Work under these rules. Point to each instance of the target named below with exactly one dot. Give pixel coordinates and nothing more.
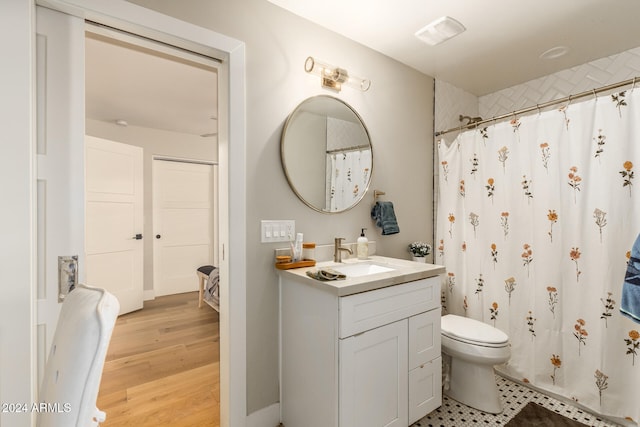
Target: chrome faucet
(337, 249)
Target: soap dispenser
(363, 246)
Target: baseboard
(148, 295)
(265, 417)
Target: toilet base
(474, 385)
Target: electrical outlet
(277, 230)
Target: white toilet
(474, 348)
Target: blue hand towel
(630, 304)
(385, 217)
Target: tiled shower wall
(450, 101)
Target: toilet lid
(472, 331)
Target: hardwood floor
(162, 366)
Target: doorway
(232, 174)
(162, 101)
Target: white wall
(398, 111)
(154, 142)
(16, 209)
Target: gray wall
(398, 111)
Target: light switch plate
(277, 230)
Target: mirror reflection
(326, 154)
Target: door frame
(232, 172)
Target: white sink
(362, 269)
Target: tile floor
(514, 398)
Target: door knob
(138, 236)
(158, 236)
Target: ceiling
(149, 85)
(503, 41)
(153, 86)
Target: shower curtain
(347, 177)
(536, 218)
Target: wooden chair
(203, 275)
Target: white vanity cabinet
(363, 360)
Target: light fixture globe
(332, 77)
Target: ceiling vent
(440, 30)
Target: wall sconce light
(332, 77)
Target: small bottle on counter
(362, 248)
(309, 251)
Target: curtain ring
(595, 95)
(538, 107)
(633, 84)
(568, 103)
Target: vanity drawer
(368, 310)
(424, 338)
(425, 389)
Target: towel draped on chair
(212, 288)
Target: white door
(374, 388)
(60, 175)
(114, 220)
(183, 195)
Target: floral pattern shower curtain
(347, 177)
(536, 218)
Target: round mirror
(326, 154)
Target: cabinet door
(425, 389)
(373, 377)
(424, 338)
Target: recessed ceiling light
(440, 30)
(554, 52)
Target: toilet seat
(472, 331)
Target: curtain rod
(538, 107)
(345, 149)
